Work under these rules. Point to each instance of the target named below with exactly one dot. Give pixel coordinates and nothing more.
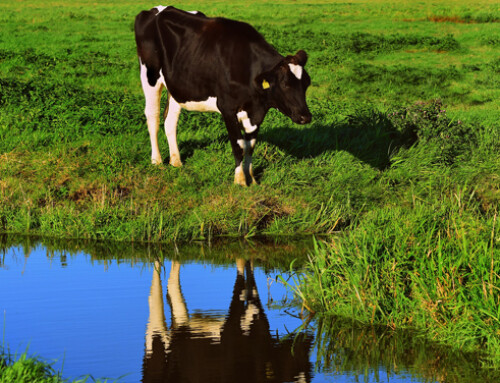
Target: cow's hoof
(175, 162)
(239, 177)
(156, 161)
(240, 182)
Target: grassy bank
(441, 277)
(402, 156)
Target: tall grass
(31, 369)
(428, 273)
(26, 369)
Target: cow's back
(208, 56)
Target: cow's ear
(300, 58)
(264, 81)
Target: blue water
(91, 317)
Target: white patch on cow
(245, 121)
(160, 8)
(209, 105)
(252, 143)
(296, 70)
(162, 79)
(241, 115)
(241, 143)
(247, 125)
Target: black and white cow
(216, 65)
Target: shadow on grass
(368, 135)
(188, 147)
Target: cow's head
(285, 87)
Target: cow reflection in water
(237, 348)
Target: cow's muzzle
(303, 118)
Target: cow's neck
(256, 108)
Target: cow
(215, 65)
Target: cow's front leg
(251, 131)
(237, 145)
(249, 145)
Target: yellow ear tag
(265, 84)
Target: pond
(203, 312)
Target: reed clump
(433, 273)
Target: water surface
(194, 313)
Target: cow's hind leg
(152, 93)
(172, 116)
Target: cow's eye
(287, 84)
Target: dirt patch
(98, 193)
(457, 19)
(451, 19)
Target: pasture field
(399, 172)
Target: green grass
(429, 273)
(26, 369)
(74, 148)
(402, 157)
(31, 369)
